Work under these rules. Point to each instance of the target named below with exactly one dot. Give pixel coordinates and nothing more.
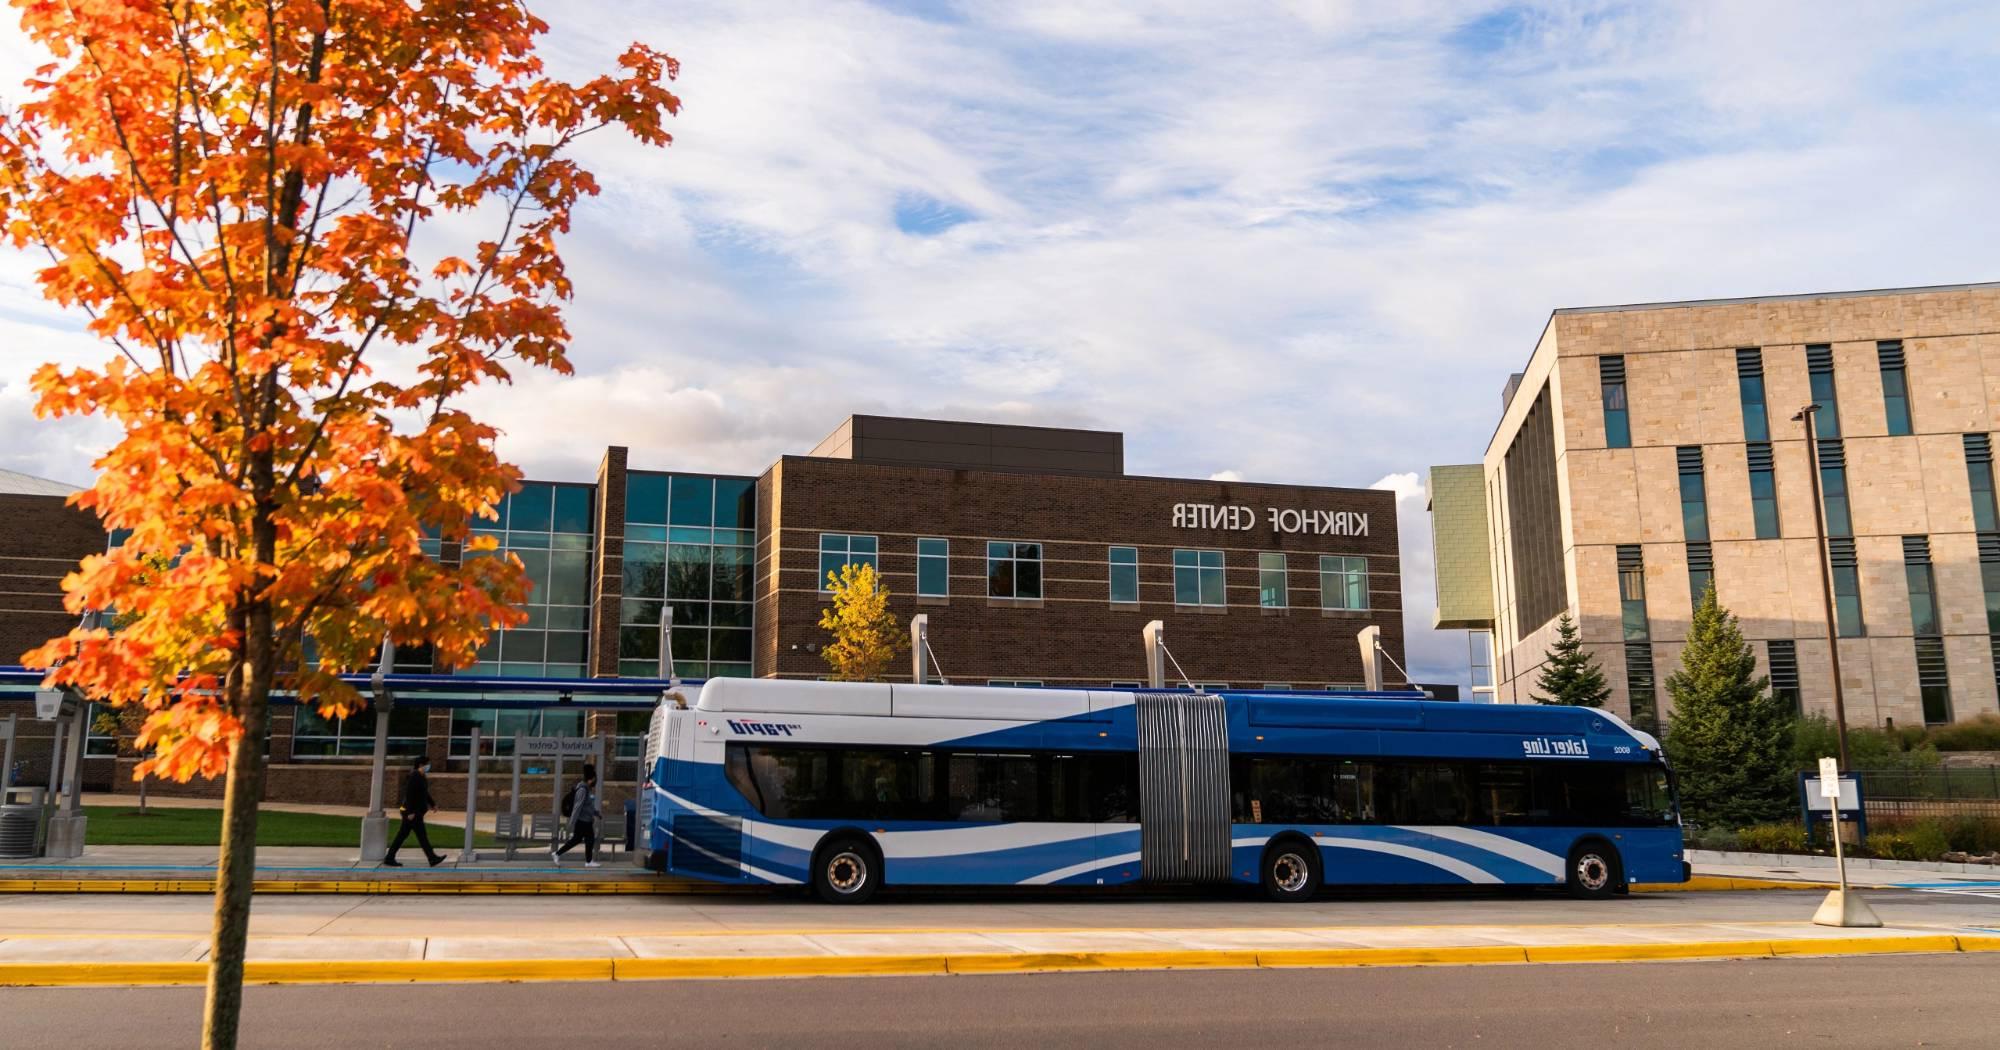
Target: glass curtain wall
(548, 527)
(690, 542)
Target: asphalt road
(1934, 1001)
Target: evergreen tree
(1570, 676)
(1728, 738)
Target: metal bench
(507, 830)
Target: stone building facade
(1645, 451)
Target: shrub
(1977, 734)
(1773, 838)
(1715, 839)
(1921, 840)
(1970, 834)
(1869, 750)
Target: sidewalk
(338, 869)
(174, 959)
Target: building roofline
(1566, 311)
(1792, 297)
(1087, 477)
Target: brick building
(1036, 558)
(41, 540)
(1646, 451)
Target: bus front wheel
(1595, 872)
(846, 870)
(1291, 870)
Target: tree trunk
(236, 869)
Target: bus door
(1183, 787)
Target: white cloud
(1296, 242)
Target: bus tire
(1595, 871)
(847, 869)
(1290, 870)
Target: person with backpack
(582, 808)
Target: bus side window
(736, 765)
(1111, 787)
(793, 782)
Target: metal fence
(1931, 785)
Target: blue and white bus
(851, 786)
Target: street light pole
(1805, 415)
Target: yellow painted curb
(1719, 883)
(1571, 953)
(1469, 953)
(61, 974)
(778, 966)
(1864, 945)
(625, 969)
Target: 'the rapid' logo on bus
(762, 728)
(1555, 747)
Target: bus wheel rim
(1289, 872)
(1592, 872)
(846, 871)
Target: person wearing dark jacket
(417, 802)
(584, 811)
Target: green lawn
(126, 826)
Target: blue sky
(1298, 241)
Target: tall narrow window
(1989, 575)
(1819, 372)
(1979, 474)
(1273, 587)
(1763, 490)
(1013, 570)
(835, 550)
(1125, 575)
(1639, 686)
(1846, 588)
(1750, 387)
(1923, 591)
(1933, 679)
(1694, 495)
(1617, 420)
(1895, 385)
(933, 568)
(1343, 583)
(1701, 570)
(1198, 578)
(1632, 591)
(1785, 673)
(1833, 488)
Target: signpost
(1840, 907)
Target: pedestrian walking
(417, 802)
(583, 810)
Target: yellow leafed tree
(866, 636)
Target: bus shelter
(58, 802)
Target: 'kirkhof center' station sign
(1242, 517)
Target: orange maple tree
(242, 197)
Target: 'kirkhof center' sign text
(1281, 519)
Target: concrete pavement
(135, 940)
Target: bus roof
(1274, 709)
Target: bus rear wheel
(1595, 871)
(1291, 870)
(846, 870)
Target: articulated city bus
(849, 787)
